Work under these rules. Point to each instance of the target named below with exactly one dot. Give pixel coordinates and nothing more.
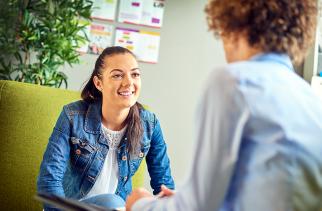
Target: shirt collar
(283, 59)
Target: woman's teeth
(125, 93)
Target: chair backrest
(28, 113)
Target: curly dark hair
(281, 26)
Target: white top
(108, 178)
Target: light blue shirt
(259, 142)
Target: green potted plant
(38, 36)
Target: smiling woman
(99, 142)
(116, 80)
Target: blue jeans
(110, 201)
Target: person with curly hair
(259, 127)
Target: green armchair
(28, 113)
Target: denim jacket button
(125, 178)
(78, 152)
(141, 154)
(124, 158)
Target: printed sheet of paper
(148, 46)
(104, 9)
(152, 13)
(130, 11)
(145, 45)
(85, 33)
(100, 37)
(142, 12)
(127, 38)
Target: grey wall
(171, 88)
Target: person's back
(259, 126)
(281, 145)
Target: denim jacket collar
(93, 118)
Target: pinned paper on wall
(100, 37)
(104, 9)
(145, 45)
(148, 46)
(130, 11)
(127, 38)
(152, 14)
(143, 12)
(84, 33)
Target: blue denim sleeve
(158, 161)
(55, 159)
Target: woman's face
(120, 82)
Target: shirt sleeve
(158, 161)
(221, 116)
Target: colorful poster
(152, 13)
(145, 45)
(100, 37)
(84, 33)
(130, 11)
(148, 46)
(127, 38)
(142, 12)
(104, 9)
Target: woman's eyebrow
(119, 70)
(136, 68)
(116, 70)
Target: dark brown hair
(280, 26)
(90, 94)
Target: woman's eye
(118, 76)
(136, 75)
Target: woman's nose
(127, 80)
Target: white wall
(172, 87)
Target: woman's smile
(126, 93)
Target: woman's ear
(97, 82)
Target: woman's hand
(136, 195)
(143, 193)
(165, 191)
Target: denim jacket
(77, 149)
